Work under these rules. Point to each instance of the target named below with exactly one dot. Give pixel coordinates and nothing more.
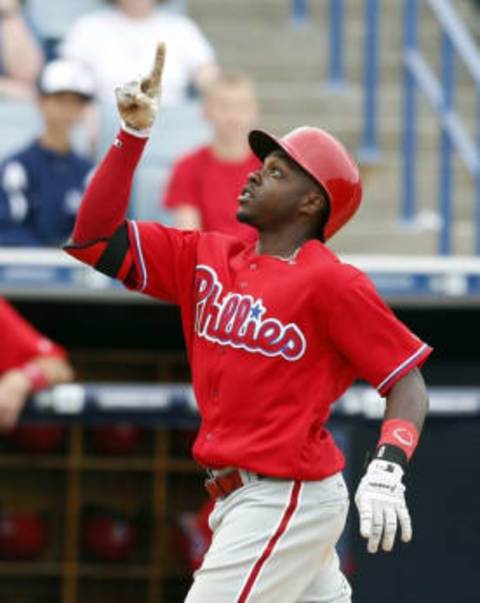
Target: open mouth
(246, 195)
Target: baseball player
(29, 362)
(275, 333)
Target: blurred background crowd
(58, 81)
(60, 63)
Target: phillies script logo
(237, 320)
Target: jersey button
(209, 436)
(253, 266)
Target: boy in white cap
(42, 184)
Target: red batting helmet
(23, 535)
(110, 538)
(121, 438)
(326, 160)
(38, 438)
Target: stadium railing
(456, 42)
(50, 274)
(300, 11)
(174, 405)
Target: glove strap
(392, 454)
(134, 132)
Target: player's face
(136, 8)
(63, 110)
(274, 195)
(232, 110)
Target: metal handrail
(369, 151)
(336, 68)
(456, 41)
(300, 11)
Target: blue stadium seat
(52, 18)
(176, 131)
(147, 191)
(19, 123)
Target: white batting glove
(137, 101)
(380, 500)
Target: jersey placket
(223, 354)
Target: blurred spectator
(205, 184)
(29, 362)
(20, 56)
(41, 186)
(118, 42)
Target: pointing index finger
(155, 77)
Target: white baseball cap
(62, 75)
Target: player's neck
(281, 246)
(137, 11)
(230, 150)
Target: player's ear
(312, 203)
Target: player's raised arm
(137, 101)
(100, 236)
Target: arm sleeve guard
(100, 236)
(111, 256)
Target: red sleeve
(164, 260)
(105, 202)
(182, 187)
(20, 341)
(366, 331)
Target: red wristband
(37, 378)
(400, 433)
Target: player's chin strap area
(111, 256)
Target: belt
(222, 483)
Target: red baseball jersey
(212, 186)
(20, 341)
(272, 344)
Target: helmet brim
(262, 144)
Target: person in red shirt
(222, 166)
(29, 362)
(276, 331)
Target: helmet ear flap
(323, 221)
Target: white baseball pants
(274, 542)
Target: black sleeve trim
(117, 247)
